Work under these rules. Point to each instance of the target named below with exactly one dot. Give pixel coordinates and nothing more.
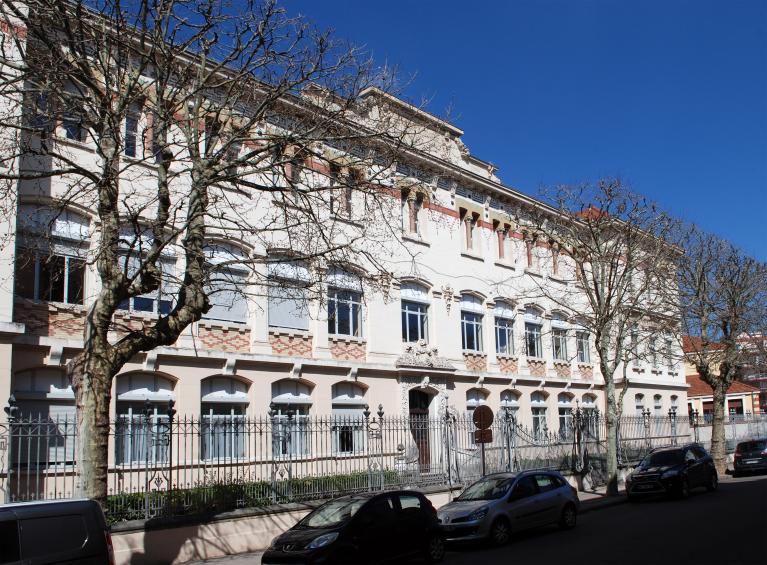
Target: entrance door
(419, 426)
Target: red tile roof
(700, 388)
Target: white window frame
(559, 343)
(583, 346)
(533, 331)
(344, 298)
(471, 329)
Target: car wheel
(713, 482)
(569, 517)
(435, 549)
(500, 532)
(684, 488)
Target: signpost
(483, 419)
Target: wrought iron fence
(161, 464)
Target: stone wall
(290, 344)
(347, 349)
(224, 337)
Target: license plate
(643, 487)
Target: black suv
(672, 471)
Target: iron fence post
(672, 419)
(12, 414)
(366, 414)
(646, 422)
(695, 425)
(275, 439)
(171, 413)
(148, 437)
(381, 446)
(446, 438)
(577, 439)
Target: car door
(549, 497)
(695, 469)
(375, 530)
(10, 547)
(524, 508)
(412, 523)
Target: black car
(363, 528)
(750, 456)
(672, 471)
(40, 533)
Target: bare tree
(723, 300)
(204, 127)
(601, 256)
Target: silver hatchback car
(502, 503)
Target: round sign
(483, 417)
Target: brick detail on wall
(475, 361)
(348, 349)
(586, 371)
(537, 367)
(562, 369)
(508, 365)
(224, 337)
(291, 344)
(64, 321)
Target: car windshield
(333, 513)
(662, 459)
(752, 446)
(487, 489)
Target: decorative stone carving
(409, 382)
(421, 355)
(447, 294)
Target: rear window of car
(752, 446)
(663, 458)
(407, 501)
(61, 534)
(546, 482)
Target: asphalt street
(725, 527)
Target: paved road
(725, 527)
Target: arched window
(504, 328)
(510, 400)
(291, 400)
(50, 258)
(344, 303)
(639, 404)
(475, 397)
(589, 405)
(559, 337)
(565, 408)
(533, 327)
(142, 406)
(471, 322)
(224, 403)
(227, 283)
(348, 418)
(288, 303)
(415, 312)
(46, 404)
(538, 402)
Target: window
(227, 283)
(348, 426)
(588, 402)
(583, 347)
(538, 401)
(546, 483)
(222, 429)
(141, 429)
(39, 112)
(415, 306)
(344, 304)
(635, 346)
(533, 345)
(288, 305)
(131, 132)
(474, 397)
(510, 401)
(504, 329)
(50, 263)
(639, 404)
(652, 349)
(471, 323)
(409, 501)
(559, 339)
(565, 407)
(72, 122)
(525, 487)
(291, 436)
(669, 354)
(342, 190)
(159, 301)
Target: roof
(699, 388)
(692, 344)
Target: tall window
(504, 329)
(131, 132)
(227, 283)
(639, 404)
(670, 364)
(474, 397)
(342, 190)
(344, 304)
(471, 323)
(141, 430)
(158, 301)
(540, 428)
(348, 426)
(291, 435)
(415, 309)
(652, 349)
(635, 346)
(583, 347)
(533, 344)
(222, 429)
(588, 402)
(559, 339)
(565, 407)
(288, 304)
(50, 263)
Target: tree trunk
(93, 394)
(718, 441)
(612, 439)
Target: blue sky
(670, 95)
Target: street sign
(483, 417)
(483, 436)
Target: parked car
(499, 504)
(38, 533)
(672, 471)
(363, 528)
(750, 456)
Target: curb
(600, 503)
